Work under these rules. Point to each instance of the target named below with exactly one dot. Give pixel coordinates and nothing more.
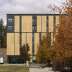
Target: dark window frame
(10, 24)
(34, 23)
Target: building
(29, 29)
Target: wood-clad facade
(26, 29)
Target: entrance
(15, 60)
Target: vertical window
(33, 44)
(52, 39)
(49, 39)
(47, 26)
(34, 23)
(34, 28)
(34, 18)
(10, 23)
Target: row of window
(10, 24)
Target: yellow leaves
(42, 53)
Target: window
(10, 29)
(10, 23)
(49, 39)
(33, 44)
(47, 26)
(34, 28)
(10, 19)
(34, 23)
(34, 20)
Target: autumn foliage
(62, 48)
(63, 40)
(42, 53)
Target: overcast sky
(28, 6)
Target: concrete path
(41, 69)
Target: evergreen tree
(24, 53)
(1, 33)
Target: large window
(10, 23)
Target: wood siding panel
(51, 23)
(36, 42)
(38, 23)
(29, 41)
(43, 23)
(26, 23)
(24, 39)
(57, 23)
(16, 24)
(10, 43)
(17, 44)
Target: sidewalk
(41, 69)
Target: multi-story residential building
(29, 29)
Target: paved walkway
(41, 69)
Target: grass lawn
(13, 68)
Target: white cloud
(27, 6)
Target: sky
(28, 6)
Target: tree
(24, 53)
(63, 40)
(27, 52)
(42, 53)
(4, 37)
(68, 7)
(1, 33)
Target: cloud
(27, 6)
